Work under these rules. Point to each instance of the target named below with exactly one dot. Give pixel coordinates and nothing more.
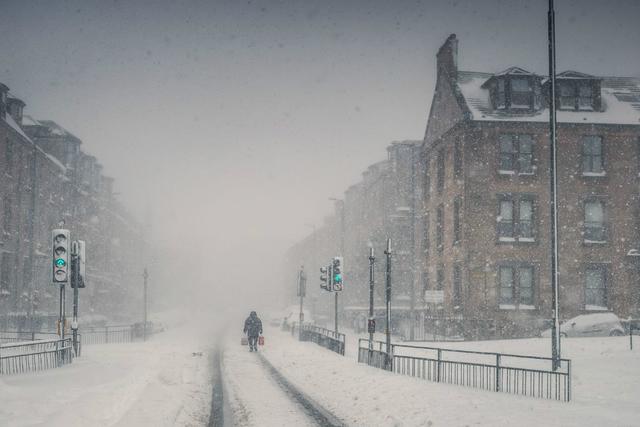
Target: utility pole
(145, 275)
(371, 324)
(387, 252)
(553, 165)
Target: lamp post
(555, 327)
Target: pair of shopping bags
(245, 340)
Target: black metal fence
(110, 334)
(509, 373)
(323, 337)
(32, 356)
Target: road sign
(434, 297)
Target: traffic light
(60, 240)
(78, 263)
(337, 274)
(324, 278)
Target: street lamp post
(555, 327)
(387, 252)
(371, 323)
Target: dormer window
(578, 91)
(520, 93)
(514, 89)
(501, 96)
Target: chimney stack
(4, 90)
(15, 107)
(447, 58)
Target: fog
(228, 125)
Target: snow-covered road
(259, 396)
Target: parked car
(590, 325)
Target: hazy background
(228, 125)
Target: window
(5, 271)
(456, 220)
(576, 95)
(6, 223)
(505, 220)
(427, 241)
(516, 286)
(520, 93)
(507, 292)
(457, 159)
(592, 163)
(440, 228)
(516, 154)
(594, 223)
(8, 153)
(567, 96)
(525, 219)
(440, 277)
(516, 218)
(585, 97)
(457, 286)
(440, 171)
(595, 287)
(501, 101)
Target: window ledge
(594, 174)
(506, 239)
(595, 242)
(524, 307)
(506, 172)
(527, 239)
(589, 307)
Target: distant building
(47, 179)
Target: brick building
(47, 179)
(487, 211)
(468, 207)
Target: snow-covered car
(275, 319)
(590, 325)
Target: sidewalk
(606, 386)
(158, 383)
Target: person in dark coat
(253, 329)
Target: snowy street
(160, 383)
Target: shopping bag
(260, 340)
(244, 341)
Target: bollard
(497, 372)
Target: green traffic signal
(60, 262)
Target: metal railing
(326, 338)
(33, 356)
(508, 373)
(109, 334)
(102, 335)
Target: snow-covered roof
(56, 129)
(620, 103)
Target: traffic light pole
(388, 313)
(75, 277)
(61, 317)
(301, 293)
(145, 275)
(372, 262)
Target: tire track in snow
(314, 410)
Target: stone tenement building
(47, 180)
(481, 195)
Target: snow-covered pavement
(157, 383)
(606, 387)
